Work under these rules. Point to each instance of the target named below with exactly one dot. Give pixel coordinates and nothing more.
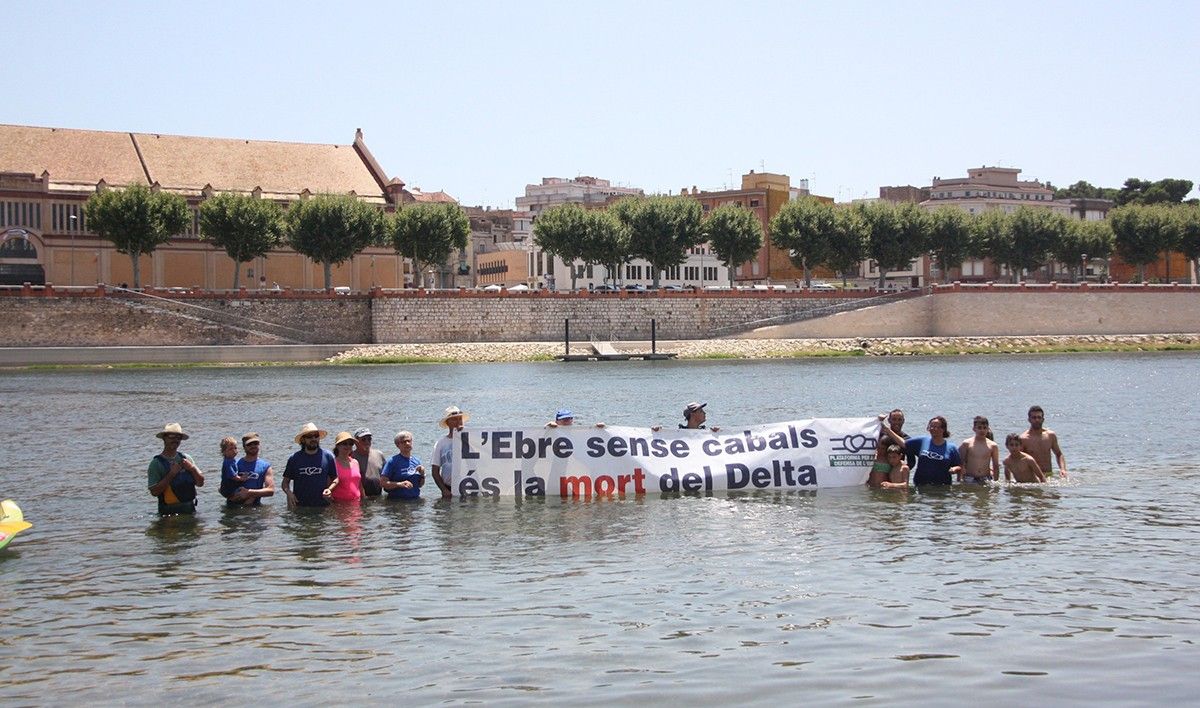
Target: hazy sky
(481, 98)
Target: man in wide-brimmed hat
(310, 469)
(443, 451)
(172, 476)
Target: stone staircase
(813, 313)
(189, 313)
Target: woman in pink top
(349, 486)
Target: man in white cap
(172, 476)
(694, 416)
(443, 451)
(370, 462)
(311, 469)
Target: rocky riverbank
(774, 348)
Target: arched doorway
(19, 262)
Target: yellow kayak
(12, 521)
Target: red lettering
(605, 484)
(639, 478)
(571, 486)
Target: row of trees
(1134, 191)
(329, 229)
(840, 237)
(659, 230)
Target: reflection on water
(994, 592)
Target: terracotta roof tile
(185, 163)
(83, 156)
(241, 165)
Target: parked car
(518, 288)
(672, 288)
(636, 288)
(605, 288)
(817, 285)
(493, 288)
(342, 290)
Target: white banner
(578, 461)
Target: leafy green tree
(895, 234)
(1164, 191)
(804, 228)
(245, 226)
(1188, 235)
(137, 220)
(847, 242)
(1086, 190)
(562, 231)
(735, 235)
(606, 242)
(1033, 235)
(949, 238)
(661, 229)
(331, 228)
(990, 234)
(1141, 233)
(429, 232)
(1092, 239)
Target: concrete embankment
(221, 354)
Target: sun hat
(363, 432)
(692, 408)
(249, 438)
(172, 429)
(343, 437)
(310, 428)
(451, 412)
(564, 413)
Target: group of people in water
(933, 459)
(354, 469)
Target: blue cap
(563, 413)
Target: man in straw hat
(172, 476)
(310, 469)
(443, 451)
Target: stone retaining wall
(111, 321)
(540, 319)
(999, 311)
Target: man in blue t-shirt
(403, 475)
(937, 457)
(310, 469)
(250, 478)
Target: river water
(1080, 591)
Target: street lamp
(1083, 266)
(72, 219)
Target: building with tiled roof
(47, 174)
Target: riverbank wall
(94, 318)
(1012, 310)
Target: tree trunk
(237, 273)
(574, 273)
(1141, 272)
(1195, 269)
(137, 269)
(328, 267)
(807, 272)
(657, 275)
(731, 278)
(882, 277)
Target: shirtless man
(977, 452)
(1020, 466)
(1040, 442)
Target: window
(710, 273)
(972, 268)
(691, 273)
(753, 202)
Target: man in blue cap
(564, 417)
